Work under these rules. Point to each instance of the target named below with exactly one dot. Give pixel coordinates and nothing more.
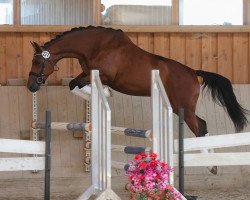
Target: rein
(40, 76)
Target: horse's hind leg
(203, 132)
(199, 127)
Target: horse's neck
(64, 51)
(70, 47)
(62, 55)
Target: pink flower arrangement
(148, 179)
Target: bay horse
(126, 68)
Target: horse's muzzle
(33, 86)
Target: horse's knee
(73, 84)
(78, 81)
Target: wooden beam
(16, 81)
(132, 29)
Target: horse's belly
(135, 89)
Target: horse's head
(42, 66)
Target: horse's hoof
(213, 170)
(86, 89)
(78, 92)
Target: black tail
(222, 93)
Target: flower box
(148, 179)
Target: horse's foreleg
(83, 88)
(83, 78)
(199, 127)
(77, 83)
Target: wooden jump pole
(130, 149)
(132, 132)
(125, 149)
(63, 126)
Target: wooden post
(175, 12)
(97, 9)
(16, 12)
(246, 13)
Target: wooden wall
(226, 53)
(221, 52)
(16, 117)
(127, 111)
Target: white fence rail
(213, 142)
(22, 163)
(32, 163)
(215, 159)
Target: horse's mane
(75, 30)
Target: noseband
(40, 76)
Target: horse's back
(129, 67)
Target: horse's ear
(33, 45)
(36, 47)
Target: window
(211, 12)
(125, 12)
(136, 12)
(6, 11)
(56, 12)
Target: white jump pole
(162, 122)
(101, 143)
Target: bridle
(40, 77)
